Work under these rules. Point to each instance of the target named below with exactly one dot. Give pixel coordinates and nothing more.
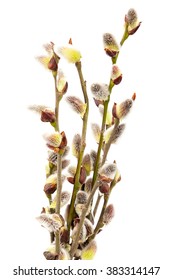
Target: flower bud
(47, 115)
(86, 163)
(134, 96)
(100, 91)
(108, 214)
(64, 235)
(70, 54)
(65, 197)
(77, 105)
(81, 197)
(52, 65)
(64, 255)
(98, 102)
(53, 140)
(88, 185)
(116, 74)
(71, 180)
(89, 251)
(89, 227)
(67, 212)
(63, 143)
(76, 144)
(51, 60)
(51, 183)
(113, 133)
(62, 84)
(48, 62)
(107, 172)
(65, 163)
(104, 187)
(83, 175)
(132, 21)
(96, 131)
(93, 156)
(50, 253)
(52, 222)
(72, 170)
(121, 110)
(83, 233)
(110, 45)
(79, 208)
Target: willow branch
(77, 184)
(96, 168)
(95, 176)
(109, 143)
(59, 167)
(97, 204)
(107, 146)
(82, 218)
(100, 223)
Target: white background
(141, 232)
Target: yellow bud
(72, 55)
(89, 251)
(53, 139)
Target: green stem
(97, 204)
(125, 35)
(95, 174)
(82, 218)
(108, 144)
(100, 220)
(77, 184)
(59, 183)
(57, 243)
(124, 38)
(59, 168)
(57, 101)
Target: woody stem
(77, 184)
(59, 167)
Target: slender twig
(82, 217)
(97, 204)
(96, 168)
(100, 220)
(108, 144)
(125, 35)
(59, 167)
(95, 176)
(82, 148)
(59, 183)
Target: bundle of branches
(94, 177)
